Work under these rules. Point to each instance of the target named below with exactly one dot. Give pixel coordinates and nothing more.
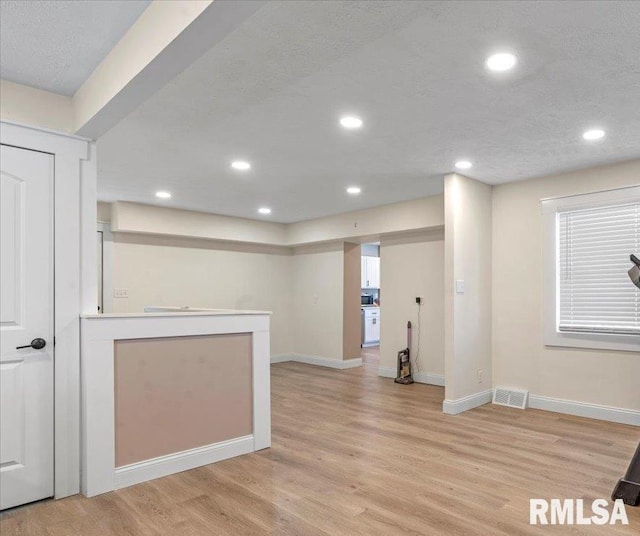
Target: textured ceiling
(56, 44)
(273, 90)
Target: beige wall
(519, 355)
(181, 271)
(166, 256)
(305, 290)
(351, 302)
(418, 214)
(408, 216)
(153, 220)
(317, 319)
(412, 266)
(468, 224)
(35, 107)
(180, 393)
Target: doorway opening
(370, 303)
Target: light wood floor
(370, 355)
(354, 454)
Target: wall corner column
(468, 323)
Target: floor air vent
(514, 398)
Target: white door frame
(107, 266)
(75, 285)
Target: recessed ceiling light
(594, 134)
(264, 210)
(163, 195)
(350, 121)
(240, 165)
(353, 190)
(463, 164)
(501, 62)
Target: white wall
(412, 266)
(181, 271)
(317, 319)
(519, 355)
(468, 223)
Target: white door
(26, 296)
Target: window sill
(593, 341)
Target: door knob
(36, 344)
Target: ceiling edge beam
(163, 42)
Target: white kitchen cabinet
(370, 272)
(373, 271)
(371, 326)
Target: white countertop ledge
(177, 313)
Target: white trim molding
(387, 372)
(99, 333)
(282, 358)
(584, 409)
(418, 377)
(319, 361)
(107, 266)
(75, 280)
(135, 473)
(454, 407)
(428, 378)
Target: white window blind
(595, 293)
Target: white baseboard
(429, 378)
(327, 362)
(283, 358)
(418, 377)
(182, 461)
(453, 407)
(557, 405)
(318, 361)
(387, 372)
(583, 409)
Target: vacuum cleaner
(628, 487)
(404, 375)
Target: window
(595, 294)
(590, 301)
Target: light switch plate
(120, 292)
(459, 286)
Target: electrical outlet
(480, 375)
(418, 300)
(315, 299)
(120, 292)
